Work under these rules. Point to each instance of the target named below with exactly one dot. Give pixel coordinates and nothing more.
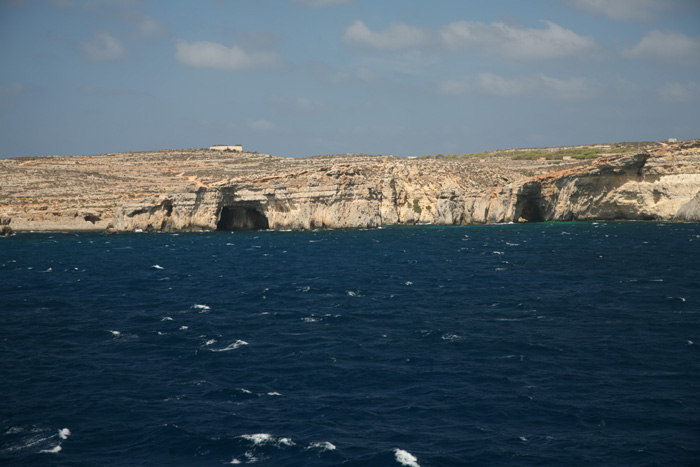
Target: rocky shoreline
(189, 190)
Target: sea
(528, 344)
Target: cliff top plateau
(202, 189)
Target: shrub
(416, 207)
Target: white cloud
(397, 36)
(539, 85)
(12, 90)
(323, 3)
(512, 42)
(104, 48)
(516, 42)
(623, 10)
(204, 54)
(679, 92)
(666, 47)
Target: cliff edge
(209, 190)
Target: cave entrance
(241, 218)
(530, 212)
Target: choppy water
(537, 344)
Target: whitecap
(245, 391)
(232, 346)
(275, 393)
(234, 461)
(53, 450)
(406, 458)
(351, 293)
(689, 342)
(286, 442)
(64, 433)
(408, 283)
(203, 308)
(259, 438)
(309, 319)
(450, 337)
(210, 342)
(184, 328)
(498, 252)
(322, 445)
(166, 318)
(115, 333)
(306, 288)
(157, 266)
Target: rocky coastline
(200, 189)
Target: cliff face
(197, 189)
(664, 185)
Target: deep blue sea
(533, 345)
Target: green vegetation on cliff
(581, 152)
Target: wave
(232, 346)
(406, 458)
(322, 446)
(266, 438)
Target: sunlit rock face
(209, 190)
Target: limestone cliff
(662, 185)
(206, 190)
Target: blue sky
(309, 77)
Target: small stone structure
(221, 147)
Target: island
(209, 189)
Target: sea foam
(53, 450)
(406, 458)
(232, 346)
(322, 445)
(266, 438)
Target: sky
(301, 78)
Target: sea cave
(241, 218)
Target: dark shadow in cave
(241, 218)
(531, 212)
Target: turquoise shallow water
(537, 344)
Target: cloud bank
(512, 42)
(666, 47)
